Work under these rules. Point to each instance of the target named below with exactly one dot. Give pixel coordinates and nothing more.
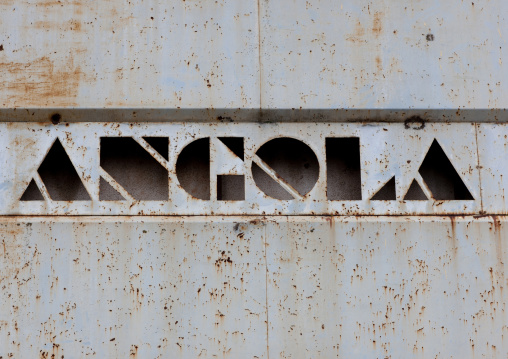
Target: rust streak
(41, 83)
(72, 25)
(358, 34)
(377, 26)
(379, 63)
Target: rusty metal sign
(192, 169)
(253, 179)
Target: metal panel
(254, 54)
(388, 288)
(493, 155)
(285, 286)
(383, 54)
(118, 288)
(386, 151)
(194, 54)
(289, 287)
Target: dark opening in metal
(343, 173)
(129, 164)
(231, 188)
(193, 168)
(292, 161)
(60, 177)
(441, 177)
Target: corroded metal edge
(254, 219)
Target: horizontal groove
(256, 215)
(217, 115)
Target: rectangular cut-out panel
(238, 168)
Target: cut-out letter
(415, 193)
(287, 166)
(387, 192)
(60, 177)
(32, 193)
(343, 175)
(230, 188)
(127, 162)
(193, 168)
(235, 144)
(441, 177)
(108, 193)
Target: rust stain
(379, 63)
(14, 253)
(41, 83)
(453, 228)
(51, 3)
(358, 34)
(499, 247)
(72, 25)
(377, 26)
(48, 5)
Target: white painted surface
(254, 54)
(293, 287)
(386, 150)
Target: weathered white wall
(246, 286)
(252, 287)
(250, 54)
